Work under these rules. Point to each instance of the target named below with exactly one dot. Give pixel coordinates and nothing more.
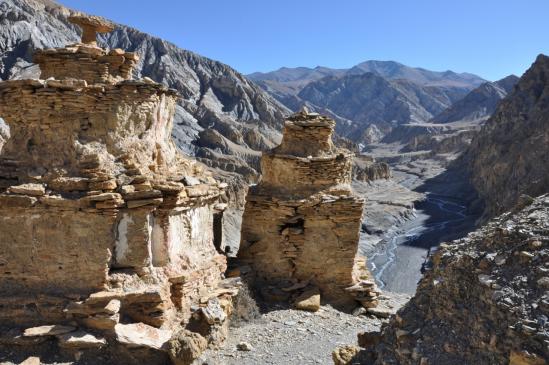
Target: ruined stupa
(301, 223)
(106, 231)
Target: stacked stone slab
(301, 222)
(103, 224)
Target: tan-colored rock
(66, 184)
(141, 203)
(96, 224)
(50, 330)
(309, 300)
(102, 321)
(103, 197)
(525, 358)
(80, 340)
(113, 306)
(301, 222)
(33, 360)
(103, 185)
(141, 335)
(60, 202)
(380, 312)
(345, 355)
(28, 189)
(90, 26)
(185, 347)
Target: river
(397, 261)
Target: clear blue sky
(492, 38)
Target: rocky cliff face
(222, 118)
(510, 155)
(483, 301)
(479, 104)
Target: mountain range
(374, 98)
(382, 94)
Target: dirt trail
(287, 336)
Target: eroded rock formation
(301, 222)
(510, 155)
(484, 300)
(104, 225)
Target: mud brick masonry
(104, 225)
(301, 222)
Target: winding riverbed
(397, 261)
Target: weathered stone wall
(74, 127)
(92, 64)
(49, 251)
(298, 175)
(286, 241)
(103, 224)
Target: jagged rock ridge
(479, 104)
(510, 156)
(452, 130)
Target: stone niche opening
(294, 225)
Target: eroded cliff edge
(484, 301)
(510, 155)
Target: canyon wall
(483, 299)
(510, 155)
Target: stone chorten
(103, 223)
(301, 222)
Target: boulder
(344, 355)
(309, 300)
(244, 346)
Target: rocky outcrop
(510, 155)
(104, 225)
(303, 217)
(213, 95)
(483, 299)
(439, 139)
(366, 168)
(479, 104)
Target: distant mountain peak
(385, 93)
